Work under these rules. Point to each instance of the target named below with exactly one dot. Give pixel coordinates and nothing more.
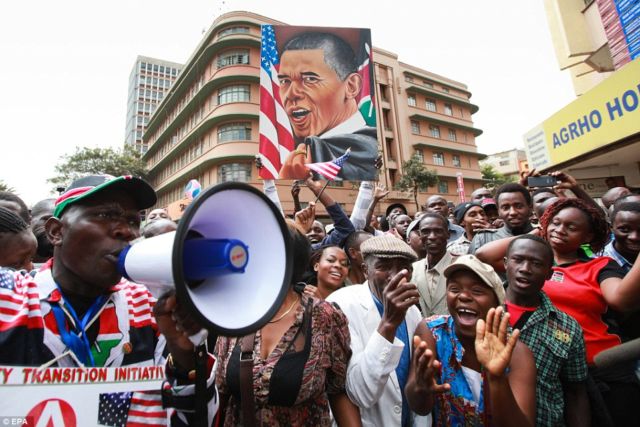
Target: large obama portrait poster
(317, 103)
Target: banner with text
(607, 113)
(72, 396)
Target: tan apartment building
(509, 163)
(206, 127)
(596, 137)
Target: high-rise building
(206, 128)
(149, 81)
(595, 138)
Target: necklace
(286, 312)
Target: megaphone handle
(202, 403)
(199, 337)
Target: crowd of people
(490, 312)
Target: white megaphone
(229, 260)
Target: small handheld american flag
(330, 169)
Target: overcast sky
(66, 64)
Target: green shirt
(557, 344)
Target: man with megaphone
(79, 311)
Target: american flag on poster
(330, 169)
(276, 137)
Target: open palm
(493, 347)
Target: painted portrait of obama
(319, 89)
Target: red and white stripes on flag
(276, 137)
(330, 169)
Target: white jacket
(372, 383)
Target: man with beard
(40, 213)
(319, 85)
(514, 208)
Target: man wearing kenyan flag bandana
(79, 311)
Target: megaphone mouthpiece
(204, 258)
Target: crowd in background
(495, 311)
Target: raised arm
(512, 393)
(567, 182)
(623, 294)
(342, 225)
(379, 193)
(295, 194)
(493, 253)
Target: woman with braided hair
(17, 242)
(585, 288)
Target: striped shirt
(29, 336)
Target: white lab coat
(372, 383)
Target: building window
(438, 159)
(431, 105)
(409, 79)
(415, 127)
(434, 131)
(443, 187)
(411, 100)
(445, 89)
(238, 172)
(233, 30)
(235, 93)
(456, 160)
(504, 162)
(234, 132)
(233, 57)
(427, 83)
(452, 135)
(448, 110)
(420, 155)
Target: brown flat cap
(387, 246)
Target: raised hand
(426, 366)
(380, 192)
(304, 218)
(295, 189)
(493, 345)
(399, 295)
(314, 186)
(524, 176)
(481, 224)
(565, 181)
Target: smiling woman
(468, 372)
(332, 269)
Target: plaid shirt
(460, 246)
(556, 341)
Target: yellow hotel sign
(603, 115)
